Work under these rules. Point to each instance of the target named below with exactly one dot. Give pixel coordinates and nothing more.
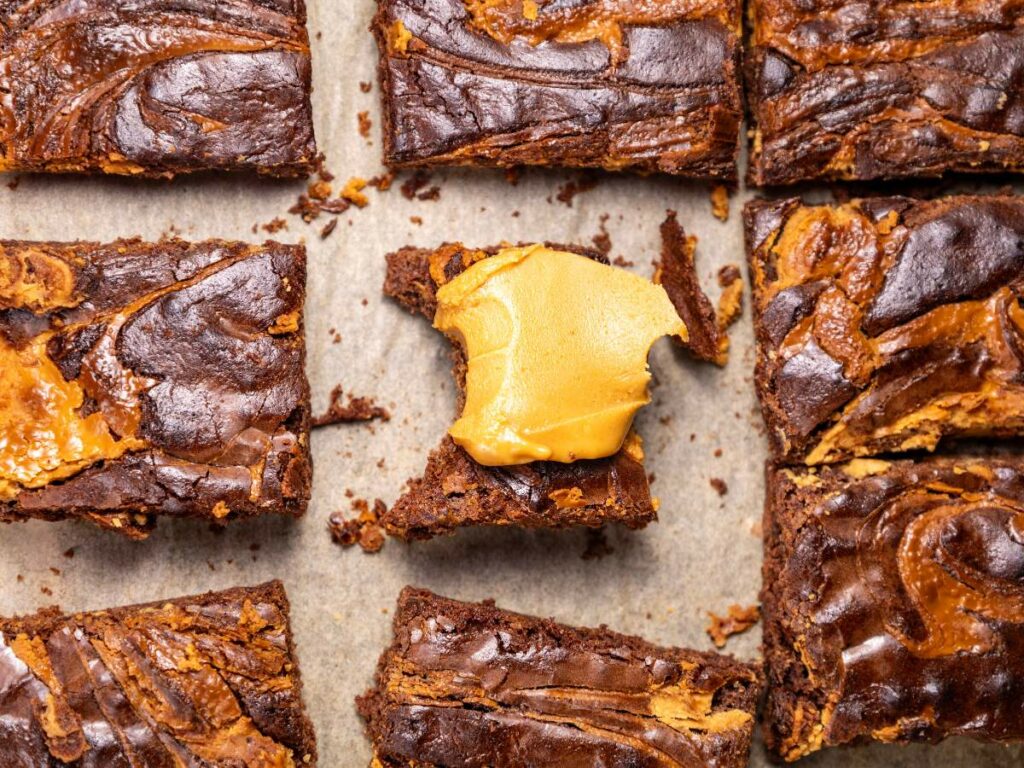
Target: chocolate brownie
(468, 684)
(457, 491)
(887, 324)
(544, 82)
(141, 380)
(894, 602)
(155, 87)
(211, 680)
(871, 90)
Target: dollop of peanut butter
(556, 347)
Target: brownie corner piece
(472, 679)
(483, 85)
(825, 104)
(893, 603)
(455, 491)
(172, 88)
(210, 679)
(886, 324)
(154, 379)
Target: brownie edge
(470, 684)
(211, 679)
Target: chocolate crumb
(583, 182)
(364, 529)
(46, 591)
(365, 86)
(417, 220)
(383, 182)
(20, 579)
(55, 571)
(69, 552)
(737, 621)
(412, 186)
(719, 485)
(621, 261)
(328, 228)
(13, 183)
(512, 175)
(356, 409)
(602, 240)
(274, 226)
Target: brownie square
(643, 86)
(155, 88)
(893, 602)
(887, 324)
(142, 380)
(210, 680)
(470, 684)
(850, 90)
(456, 491)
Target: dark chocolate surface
(154, 380)
(894, 602)
(887, 324)
(467, 684)
(155, 87)
(200, 681)
(456, 491)
(653, 87)
(868, 90)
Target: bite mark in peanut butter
(556, 348)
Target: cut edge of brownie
(455, 491)
(47, 620)
(742, 692)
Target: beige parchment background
(703, 555)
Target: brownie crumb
(720, 203)
(274, 226)
(622, 261)
(584, 182)
(364, 529)
(417, 220)
(55, 571)
(13, 183)
(328, 228)
(69, 552)
(46, 591)
(597, 545)
(737, 621)
(730, 302)
(356, 409)
(383, 182)
(365, 124)
(512, 175)
(413, 188)
(602, 240)
(20, 579)
(719, 485)
(365, 86)
(718, 453)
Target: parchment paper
(704, 554)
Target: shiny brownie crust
(887, 324)
(873, 90)
(155, 87)
(461, 90)
(209, 680)
(163, 379)
(893, 602)
(469, 679)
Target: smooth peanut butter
(556, 347)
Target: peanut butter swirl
(199, 681)
(887, 324)
(155, 87)
(897, 594)
(140, 379)
(881, 89)
(471, 679)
